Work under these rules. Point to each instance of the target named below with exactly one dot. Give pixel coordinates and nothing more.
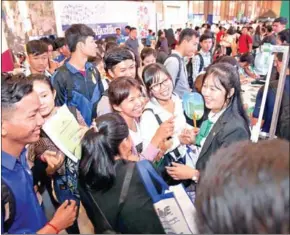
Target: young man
(119, 62)
(77, 82)
(279, 24)
(270, 37)
(120, 37)
(204, 58)
(175, 64)
(21, 124)
(37, 58)
(63, 49)
(127, 31)
(133, 43)
(270, 102)
(245, 41)
(149, 38)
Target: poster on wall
(98, 15)
(24, 19)
(103, 30)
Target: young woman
(65, 178)
(162, 47)
(126, 98)
(148, 56)
(163, 106)
(106, 159)
(227, 121)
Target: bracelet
(56, 230)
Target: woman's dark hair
(269, 28)
(258, 30)
(245, 190)
(229, 78)
(99, 149)
(170, 37)
(147, 51)
(263, 30)
(119, 89)
(227, 59)
(77, 33)
(231, 30)
(40, 78)
(247, 57)
(116, 56)
(36, 47)
(284, 36)
(159, 33)
(151, 75)
(49, 41)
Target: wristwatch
(194, 178)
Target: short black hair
(284, 36)
(245, 190)
(281, 20)
(205, 36)
(115, 56)
(13, 90)
(118, 29)
(77, 33)
(132, 28)
(111, 45)
(128, 27)
(187, 34)
(59, 42)
(36, 47)
(150, 31)
(147, 51)
(247, 57)
(48, 41)
(269, 28)
(280, 58)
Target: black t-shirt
(138, 214)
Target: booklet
(65, 132)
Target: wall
(103, 12)
(180, 11)
(285, 11)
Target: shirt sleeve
(195, 67)
(172, 67)
(59, 86)
(258, 104)
(250, 40)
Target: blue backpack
(74, 98)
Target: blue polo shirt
(29, 216)
(269, 105)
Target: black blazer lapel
(214, 131)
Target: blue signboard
(104, 30)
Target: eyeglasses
(157, 87)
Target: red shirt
(219, 35)
(244, 41)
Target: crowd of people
(127, 98)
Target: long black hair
(99, 149)
(229, 78)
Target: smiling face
(133, 105)
(125, 68)
(46, 97)
(24, 122)
(162, 88)
(214, 94)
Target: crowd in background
(127, 96)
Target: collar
(204, 53)
(28, 72)
(72, 69)
(158, 109)
(9, 161)
(213, 117)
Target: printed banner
(104, 30)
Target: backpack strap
(179, 68)
(156, 115)
(201, 64)
(8, 206)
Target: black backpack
(8, 206)
(201, 65)
(283, 124)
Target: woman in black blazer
(227, 121)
